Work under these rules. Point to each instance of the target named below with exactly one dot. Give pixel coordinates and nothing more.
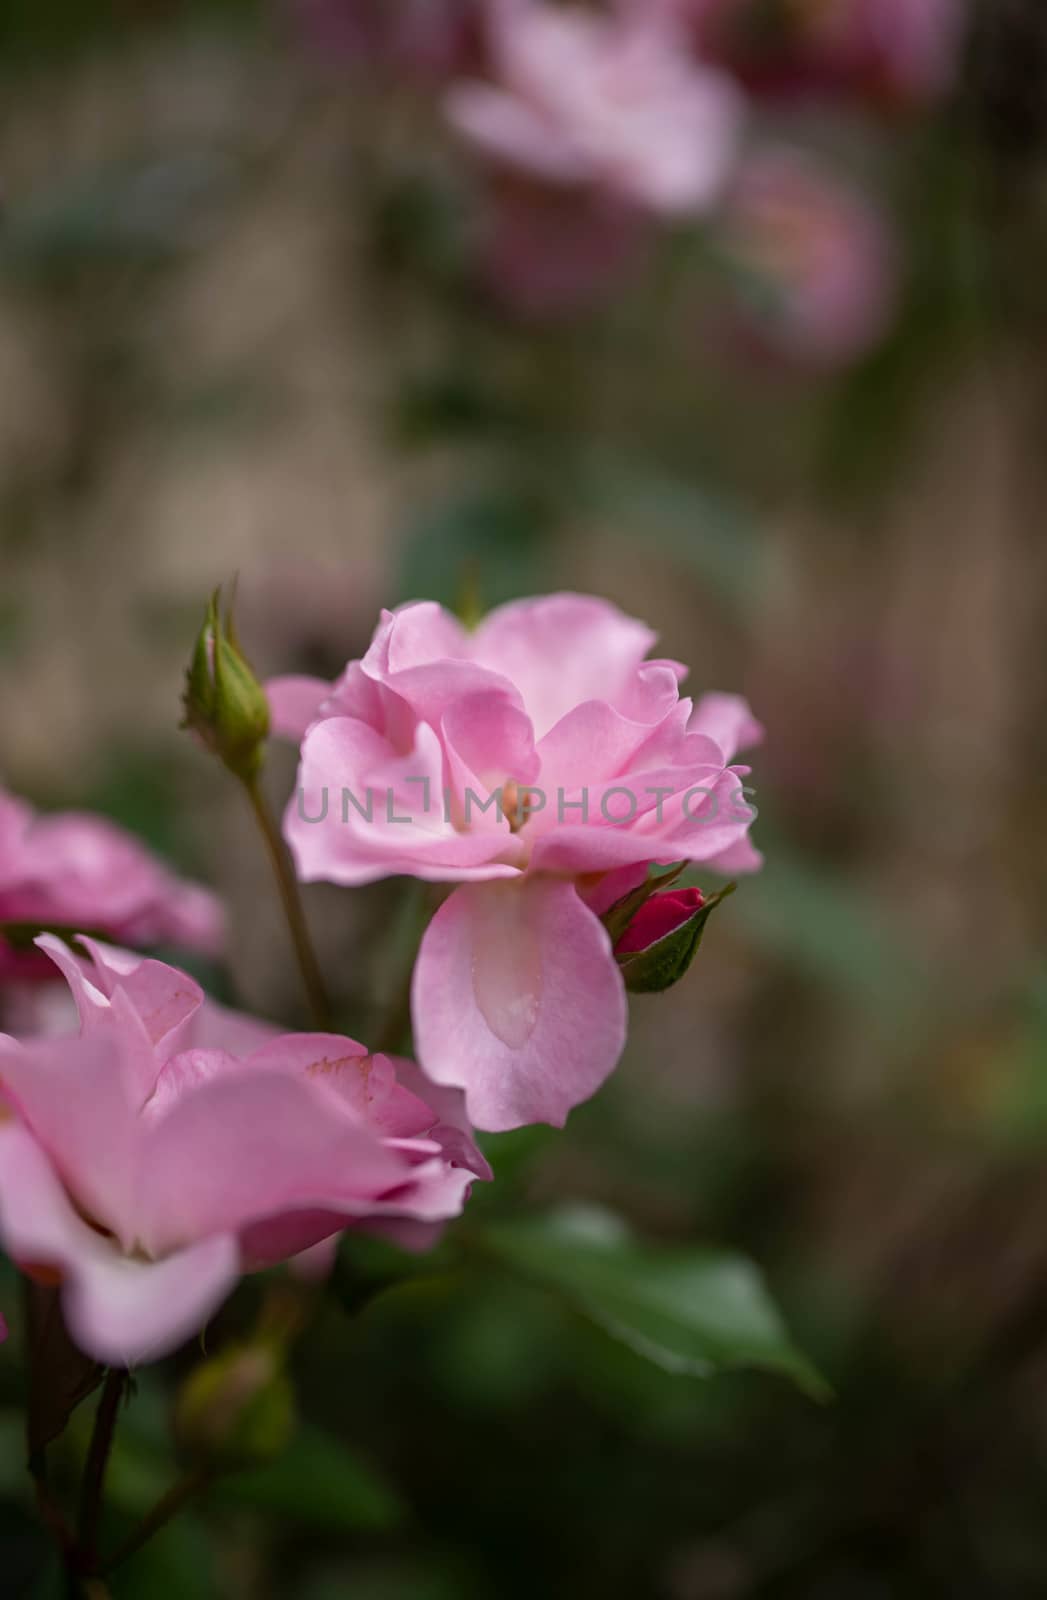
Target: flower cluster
(154, 1146)
(594, 127)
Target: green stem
(166, 1508)
(287, 884)
(93, 1486)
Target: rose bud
(236, 1409)
(224, 702)
(662, 938)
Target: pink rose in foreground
(897, 51)
(815, 270)
(657, 918)
(76, 870)
(601, 768)
(583, 99)
(170, 1145)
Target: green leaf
(692, 1312)
(316, 1483)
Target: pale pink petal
(365, 1083)
(175, 1010)
(414, 635)
(120, 1310)
(740, 857)
(77, 870)
(80, 1099)
(489, 743)
(511, 131)
(163, 997)
(727, 719)
(452, 1129)
(249, 1145)
(518, 1001)
(294, 704)
(361, 812)
(123, 1310)
(560, 650)
(186, 915)
(595, 744)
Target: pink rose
(576, 98)
(77, 870)
(170, 1146)
(542, 763)
(815, 267)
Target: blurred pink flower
(169, 1146)
(432, 37)
(75, 869)
(815, 269)
(577, 98)
(517, 998)
(898, 51)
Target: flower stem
(312, 977)
(166, 1508)
(99, 1450)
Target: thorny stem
(286, 883)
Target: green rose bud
(236, 1409)
(225, 705)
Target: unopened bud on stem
(225, 705)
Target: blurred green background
(239, 333)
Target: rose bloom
(77, 870)
(814, 267)
(170, 1145)
(576, 98)
(901, 52)
(517, 997)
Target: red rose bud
(662, 938)
(661, 915)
